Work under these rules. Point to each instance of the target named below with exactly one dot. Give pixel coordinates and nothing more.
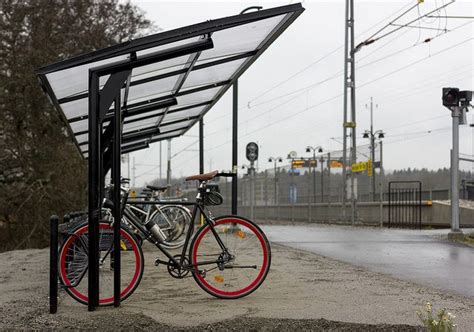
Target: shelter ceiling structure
(181, 74)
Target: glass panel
(152, 89)
(198, 97)
(182, 114)
(80, 125)
(170, 134)
(75, 108)
(167, 46)
(127, 127)
(159, 68)
(242, 38)
(75, 80)
(139, 116)
(82, 138)
(213, 74)
(124, 145)
(175, 126)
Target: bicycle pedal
(157, 262)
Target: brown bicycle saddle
(203, 177)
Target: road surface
(414, 255)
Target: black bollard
(53, 265)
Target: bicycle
(229, 257)
(171, 218)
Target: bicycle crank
(178, 272)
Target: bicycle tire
(73, 264)
(252, 257)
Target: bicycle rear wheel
(73, 264)
(237, 271)
(174, 221)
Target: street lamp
(319, 149)
(275, 160)
(370, 134)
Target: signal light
(450, 97)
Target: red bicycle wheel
(73, 264)
(241, 268)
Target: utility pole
(456, 113)
(329, 178)
(161, 154)
(372, 145)
(133, 173)
(457, 102)
(275, 160)
(319, 149)
(381, 183)
(128, 165)
(349, 87)
(322, 178)
(168, 172)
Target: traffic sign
(335, 164)
(369, 168)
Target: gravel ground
(302, 292)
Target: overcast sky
(402, 74)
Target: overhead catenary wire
(340, 72)
(339, 95)
(320, 59)
(373, 38)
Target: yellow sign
(370, 168)
(133, 194)
(336, 164)
(359, 167)
(297, 163)
(300, 163)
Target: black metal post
(201, 146)
(235, 105)
(322, 178)
(314, 176)
(94, 190)
(116, 172)
(53, 265)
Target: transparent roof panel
(173, 133)
(198, 97)
(241, 38)
(152, 89)
(182, 114)
(193, 65)
(127, 127)
(170, 127)
(160, 68)
(213, 74)
(75, 80)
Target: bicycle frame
(197, 207)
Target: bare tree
(41, 172)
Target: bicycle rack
(53, 265)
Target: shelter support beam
(235, 124)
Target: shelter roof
(165, 99)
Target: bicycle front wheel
(73, 264)
(237, 265)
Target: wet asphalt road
(414, 255)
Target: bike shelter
(122, 98)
